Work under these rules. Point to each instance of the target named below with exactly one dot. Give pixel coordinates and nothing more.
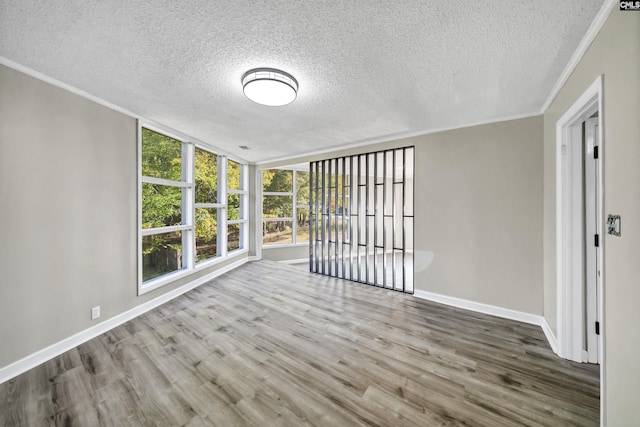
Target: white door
(592, 239)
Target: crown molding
(393, 137)
(586, 41)
(159, 126)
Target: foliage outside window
(163, 222)
(285, 206)
(183, 203)
(207, 208)
(237, 222)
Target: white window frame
(295, 207)
(188, 211)
(220, 207)
(244, 208)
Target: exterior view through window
(162, 213)
(236, 216)
(192, 205)
(207, 207)
(285, 206)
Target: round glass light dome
(268, 86)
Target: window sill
(169, 278)
(285, 245)
(217, 260)
(163, 280)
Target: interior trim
(57, 83)
(586, 41)
(263, 164)
(506, 313)
(295, 261)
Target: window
(285, 206)
(190, 212)
(164, 187)
(302, 206)
(236, 206)
(207, 208)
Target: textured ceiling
(367, 69)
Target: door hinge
(597, 240)
(595, 152)
(597, 328)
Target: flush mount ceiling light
(268, 86)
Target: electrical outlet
(95, 312)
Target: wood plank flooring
(272, 345)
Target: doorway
(579, 228)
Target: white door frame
(569, 233)
(591, 215)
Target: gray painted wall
(480, 214)
(68, 181)
(615, 53)
(478, 207)
(285, 253)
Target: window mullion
(162, 230)
(167, 182)
(139, 208)
(188, 209)
(244, 206)
(209, 205)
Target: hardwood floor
(269, 344)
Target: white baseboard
(506, 313)
(295, 261)
(16, 368)
(254, 258)
(551, 337)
